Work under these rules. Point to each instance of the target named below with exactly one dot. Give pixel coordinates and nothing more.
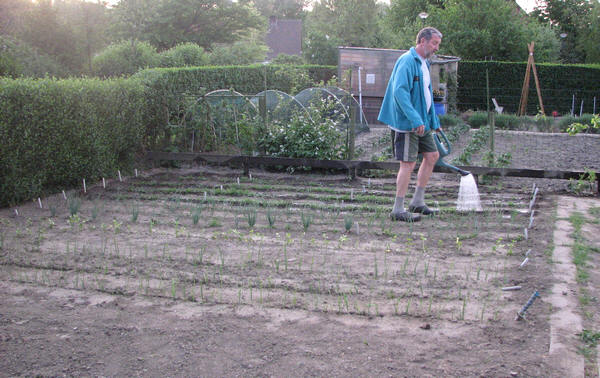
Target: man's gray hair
(427, 33)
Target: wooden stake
(525, 91)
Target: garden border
(352, 166)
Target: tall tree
(570, 19)
(290, 9)
(166, 23)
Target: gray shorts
(409, 145)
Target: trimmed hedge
(558, 84)
(56, 132)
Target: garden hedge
(54, 133)
(558, 84)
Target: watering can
(444, 152)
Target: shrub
(56, 132)
(316, 136)
(184, 54)
(241, 52)
(288, 59)
(125, 58)
(19, 59)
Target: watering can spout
(444, 151)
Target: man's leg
(406, 153)
(418, 201)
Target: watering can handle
(447, 149)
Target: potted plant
(438, 95)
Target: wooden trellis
(525, 90)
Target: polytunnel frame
(282, 94)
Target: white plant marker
(64, 195)
(357, 229)
(352, 194)
(205, 196)
(103, 183)
(84, 188)
(531, 219)
(524, 262)
(369, 182)
(528, 252)
(525, 233)
(510, 288)
(40, 202)
(364, 189)
(238, 181)
(135, 172)
(221, 187)
(16, 212)
(119, 172)
(250, 176)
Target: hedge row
(558, 84)
(56, 132)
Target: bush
(288, 59)
(56, 132)
(184, 54)
(316, 136)
(125, 58)
(241, 52)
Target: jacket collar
(416, 55)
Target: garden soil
(197, 271)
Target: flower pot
(440, 108)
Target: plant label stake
(250, 176)
(525, 233)
(527, 253)
(205, 196)
(84, 188)
(369, 182)
(352, 194)
(103, 183)
(40, 202)
(531, 219)
(521, 314)
(357, 229)
(119, 172)
(511, 288)
(364, 189)
(238, 181)
(64, 195)
(135, 172)
(524, 262)
(16, 212)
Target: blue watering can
(444, 151)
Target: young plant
(74, 204)
(348, 222)
(271, 218)
(306, 220)
(251, 217)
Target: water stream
(468, 195)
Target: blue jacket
(404, 107)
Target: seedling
(271, 218)
(306, 220)
(348, 222)
(74, 204)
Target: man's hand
(420, 130)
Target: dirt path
(566, 323)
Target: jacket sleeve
(403, 84)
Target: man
(408, 110)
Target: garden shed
(366, 72)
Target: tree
(404, 12)
(166, 23)
(481, 30)
(569, 18)
(290, 9)
(589, 41)
(44, 30)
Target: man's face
(432, 46)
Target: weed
(135, 211)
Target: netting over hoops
(345, 104)
(280, 106)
